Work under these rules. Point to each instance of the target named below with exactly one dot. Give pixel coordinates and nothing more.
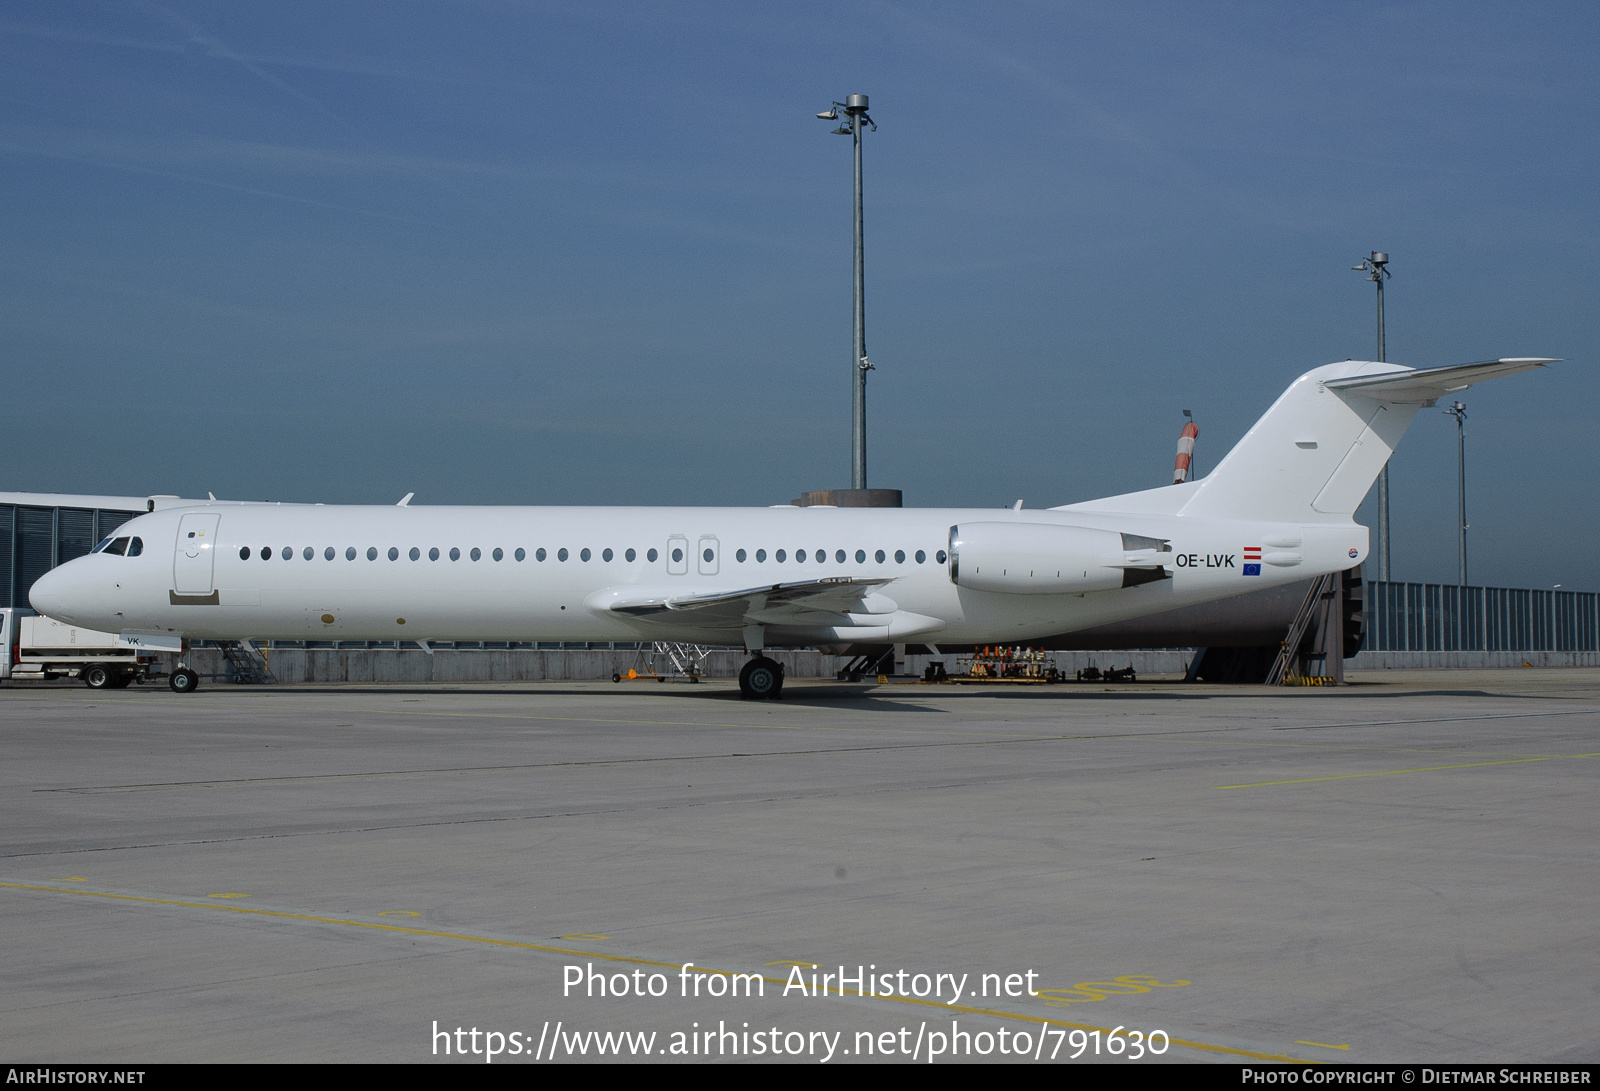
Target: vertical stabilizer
(1313, 455)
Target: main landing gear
(761, 680)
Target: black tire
(98, 676)
(616, 677)
(184, 680)
(124, 680)
(761, 680)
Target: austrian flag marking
(1252, 560)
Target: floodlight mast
(1376, 268)
(855, 112)
(1458, 410)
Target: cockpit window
(135, 546)
(115, 546)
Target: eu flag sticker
(1252, 570)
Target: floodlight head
(843, 130)
(830, 114)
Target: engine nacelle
(1048, 559)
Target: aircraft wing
(831, 595)
(1427, 384)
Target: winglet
(405, 501)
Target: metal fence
(1433, 617)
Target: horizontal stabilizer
(1428, 384)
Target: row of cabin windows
(780, 556)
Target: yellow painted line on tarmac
(1324, 1045)
(1395, 772)
(466, 937)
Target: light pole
(855, 115)
(1377, 271)
(1459, 411)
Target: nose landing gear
(761, 680)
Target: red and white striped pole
(1180, 468)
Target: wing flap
(830, 595)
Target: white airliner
(1279, 508)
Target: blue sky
(530, 253)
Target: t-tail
(1312, 457)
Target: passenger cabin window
(308, 553)
(455, 554)
(477, 553)
(244, 553)
(327, 554)
(631, 555)
(651, 556)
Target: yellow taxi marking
(584, 935)
(1324, 1045)
(228, 894)
(1394, 772)
(632, 959)
(71, 879)
(399, 913)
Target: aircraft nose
(58, 593)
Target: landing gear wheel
(183, 680)
(99, 676)
(761, 680)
